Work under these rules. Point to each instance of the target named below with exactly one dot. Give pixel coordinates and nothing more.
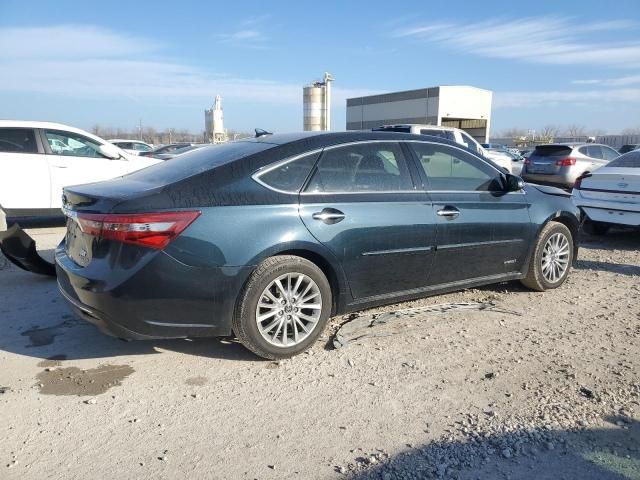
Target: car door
(481, 230)
(24, 173)
(75, 159)
(361, 203)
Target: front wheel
(552, 258)
(283, 308)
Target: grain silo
(316, 99)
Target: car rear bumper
(564, 180)
(620, 213)
(163, 299)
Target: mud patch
(74, 381)
(52, 361)
(40, 337)
(197, 381)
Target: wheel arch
(571, 222)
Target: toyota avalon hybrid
(267, 238)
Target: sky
(117, 63)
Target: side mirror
(513, 183)
(110, 151)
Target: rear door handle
(448, 212)
(329, 216)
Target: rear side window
(141, 147)
(372, 167)
(18, 140)
(628, 160)
(609, 153)
(435, 133)
(452, 169)
(471, 143)
(594, 151)
(290, 176)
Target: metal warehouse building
(458, 106)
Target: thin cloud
(126, 67)
(537, 39)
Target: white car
(133, 147)
(450, 133)
(38, 159)
(611, 194)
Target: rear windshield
(392, 129)
(198, 161)
(628, 160)
(551, 150)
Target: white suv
(450, 133)
(38, 159)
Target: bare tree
(631, 131)
(549, 132)
(513, 133)
(575, 131)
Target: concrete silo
(316, 100)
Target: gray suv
(561, 164)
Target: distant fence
(615, 141)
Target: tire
(596, 228)
(261, 297)
(540, 279)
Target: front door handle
(329, 216)
(448, 212)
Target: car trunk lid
(545, 159)
(612, 184)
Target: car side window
(609, 153)
(471, 144)
(594, 151)
(18, 140)
(289, 176)
(449, 168)
(72, 144)
(362, 167)
(141, 147)
(434, 133)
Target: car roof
(570, 144)
(324, 139)
(126, 140)
(419, 125)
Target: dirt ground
(545, 385)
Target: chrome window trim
(263, 170)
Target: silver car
(561, 164)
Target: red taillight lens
(153, 230)
(566, 162)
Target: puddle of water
(198, 381)
(74, 381)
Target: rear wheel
(596, 228)
(552, 258)
(283, 308)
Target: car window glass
(449, 168)
(584, 151)
(365, 167)
(609, 153)
(628, 160)
(290, 176)
(71, 144)
(141, 147)
(18, 140)
(471, 144)
(594, 151)
(434, 133)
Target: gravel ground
(544, 386)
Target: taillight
(526, 161)
(566, 162)
(153, 230)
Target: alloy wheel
(289, 309)
(555, 257)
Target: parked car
(449, 133)
(38, 159)
(269, 237)
(502, 156)
(628, 148)
(166, 149)
(611, 195)
(132, 147)
(561, 164)
(178, 151)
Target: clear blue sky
(113, 63)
